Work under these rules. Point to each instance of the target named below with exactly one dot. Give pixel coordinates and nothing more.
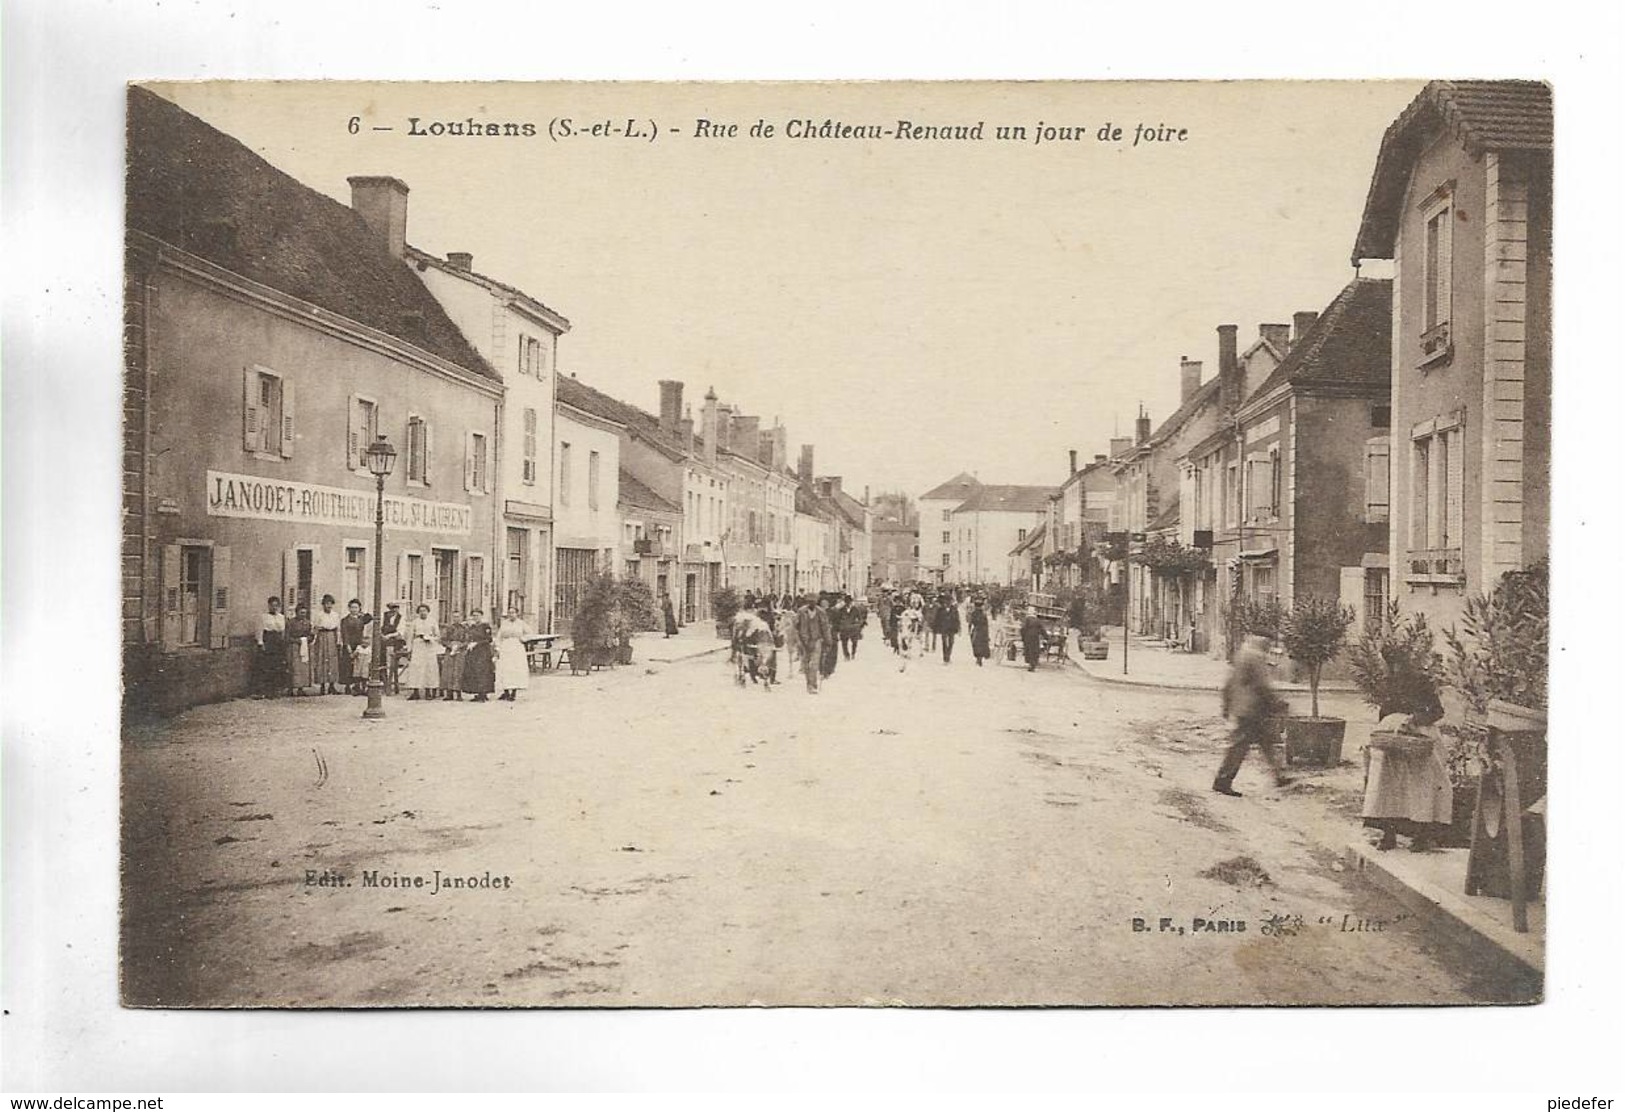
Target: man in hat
(1249, 697)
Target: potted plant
(592, 629)
(634, 612)
(725, 603)
(1084, 612)
(1313, 634)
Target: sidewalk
(1431, 886)
(1150, 664)
(696, 639)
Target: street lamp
(380, 458)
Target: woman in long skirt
(352, 664)
(422, 666)
(479, 668)
(1408, 791)
(324, 664)
(271, 664)
(455, 640)
(299, 636)
(512, 658)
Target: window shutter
(468, 461)
(170, 584)
(428, 453)
(252, 417)
(321, 581)
(1376, 482)
(287, 418)
(220, 600)
(353, 446)
(402, 583)
(1452, 488)
(431, 581)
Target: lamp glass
(381, 458)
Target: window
(1436, 264)
(1376, 480)
(363, 431)
(527, 471)
(1275, 482)
(194, 591)
(418, 450)
(947, 536)
(1421, 480)
(267, 413)
(474, 466)
(947, 515)
(411, 580)
(944, 559)
(196, 581)
(575, 567)
(1381, 416)
(1436, 500)
(592, 480)
(1376, 599)
(1230, 494)
(1021, 535)
(355, 563)
(564, 473)
(474, 582)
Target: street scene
(837, 546)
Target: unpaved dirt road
(658, 836)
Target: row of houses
(272, 334)
(1393, 445)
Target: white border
(64, 64)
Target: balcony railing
(1436, 563)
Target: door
(354, 581)
(445, 577)
(691, 592)
(474, 582)
(305, 578)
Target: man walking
(948, 627)
(1032, 640)
(1249, 697)
(978, 631)
(811, 627)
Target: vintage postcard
(905, 544)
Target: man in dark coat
(947, 627)
(1032, 640)
(813, 634)
(835, 616)
(978, 632)
(1249, 697)
(352, 632)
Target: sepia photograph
(904, 544)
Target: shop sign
(255, 496)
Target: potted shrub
(592, 629)
(634, 612)
(725, 603)
(1313, 634)
(1084, 614)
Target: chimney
(1278, 335)
(1301, 324)
(460, 260)
(725, 428)
(781, 447)
(1190, 378)
(1100, 457)
(764, 448)
(865, 494)
(685, 429)
(381, 204)
(1142, 427)
(1229, 388)
(805, 471)
(746, 436)
(1072, 461)
(708, 425)
(1120, 445)
(671, 405)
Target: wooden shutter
(170, 585)
(252, 415)
(468, 460)
(321, 580)
(220, 598)
(1376, 481)
(431, 581)
(358, 428)
(428, 453)
(287, 418)
(1453, 487)
(402, 581)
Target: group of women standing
(445, 662)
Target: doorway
(445, 581)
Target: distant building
(895, 552)
(938, 541)
(989, 524)
(1461, 201)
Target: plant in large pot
(1085, 610)
(1313, 632)
(725, 603)
(593, 627)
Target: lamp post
(380, 458)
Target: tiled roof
(957, 488)
(1008, 499)
(635, 493)
(1167, 517)
(423, 259)
(1203, 395)
(644, 425)
(1481, 115)
(1032, 540)
(851, 507)
(205, 193)
(1348, 345)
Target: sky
(913, 308)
